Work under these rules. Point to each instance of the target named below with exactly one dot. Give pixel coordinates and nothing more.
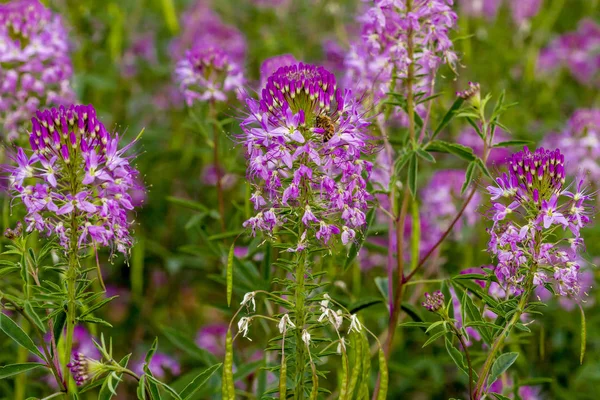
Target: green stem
(300, 313)
(73, 266)
(498, 343)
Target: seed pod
(283, 379)
(344, 380)
(384, 378)
(314, 392)
(227, 386)
(356, 341)
(366, 370)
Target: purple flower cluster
(76, 184)
(304, 140)
(530, 206)
(442, 198)
(521, 10)
(580, 141)
(161, 365)
(434, 302)
(84, 368)
(380, 57)
(202, 26)
(577, 51)
(35, 67)
(207, 73)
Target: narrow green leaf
(141, 389)
(97, 306)
(199, 381)
(7, 371)
(109, 386)
(483, 168)
(499, 396)
(583, 335)
(163, 385)
(230, 274)
(449, 115)
(59, 324)
(14, 331)
(456, 356)
(34, 317)
(515, 142)
(434, 337)
(425, 156)
(151, 352)
(440, 146)
(502, 363)
(468, 176)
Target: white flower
(243, 325)
(354, 324)
(306, 337)
(249, 299)
(334, 318)
(285, 323)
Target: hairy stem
(461, 339)
(499, 342)
(72, 271)
(300, 314)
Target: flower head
(380, 56)
(304, 140)
(207, 73)
(76, 183)
(84, 368)
(529, 206)
(35, 66)
(434, 302)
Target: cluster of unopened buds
(83, 368)
(434, 302)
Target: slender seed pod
(228, 388)
(355, 340)
(314, 392)
(384, 377)
(283, 378)
(366, 370)
(344, 380)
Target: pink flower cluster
(304, 141)
(76, 183)
(35, 67)
(576, 51)
(537, 223)
(380, 57)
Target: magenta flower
(36, 67)
(271, 65)
(304, 139)
(206, 73)
(576, 51)
(380, 55)
(76, 184)
(523, 238)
